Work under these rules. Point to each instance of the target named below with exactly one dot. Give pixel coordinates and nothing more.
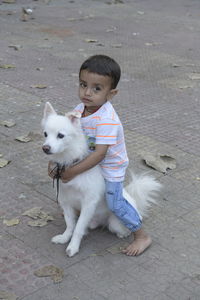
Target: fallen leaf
(8, 2)
(153, 44)
(40, 217)
(27, 11)
(7, 296)
(194, 76)
(24, 138)
(175, 65)
(74, 74)
(100, 45)
(114, 250)
(7, 123)
(55, 273)
(161, 163)
(91, 41)
(140, 12)
(39, 69)
(15, 47)
(117, 248)
(39, 86)
(81, 18)
(11, 222)
(116, 45)
(37, 223)
(185, 86)
(37, 213)
(7, 67)
(4, 162)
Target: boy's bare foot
(141, 242)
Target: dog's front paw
(71, 251)
(59, 239)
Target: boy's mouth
(85, 100)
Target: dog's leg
(115, 226)
(82, 224)
(70, 219)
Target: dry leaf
(8, 123)
(7, 296)
(24, 138)
(81, 18)
(117, 248)
(194, 76)
(140, 12)
(8, 2)
(175, 65)
(4, 162)
(74, 74)
(37, 213)
(37, 223)
(91, 41)
(55, 273)
(39, 86)
(114, 250)
(33, 213)
(11, 222)
(161, 163)
(40, 217)
(29, 137)
(15, 47)
(7, 67)
(116, 45)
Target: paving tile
(157, 46)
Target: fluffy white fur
(86, 191)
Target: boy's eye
(45, 134)
(83, 85)
(60, 135)
(96, 89)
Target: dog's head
(59, 131)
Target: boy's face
(95, 89)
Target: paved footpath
(158, 47)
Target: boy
(98, 79)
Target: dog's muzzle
(46, 149)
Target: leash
(59, 169)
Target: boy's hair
(103, 65)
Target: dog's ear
(73, 116)
(48, 110)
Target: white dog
(66, 143)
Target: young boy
(98, 78)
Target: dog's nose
(46, 149)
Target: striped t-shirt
(104, 127)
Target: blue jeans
(127, 214)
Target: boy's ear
(48, 110)
(73, 116)
(113, 92)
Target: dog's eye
(60, 136)
(45, 134)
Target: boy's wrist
(68, 174)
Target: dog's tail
(141, 192)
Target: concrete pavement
(157, 45)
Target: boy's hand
(52, 169)
(67, 175)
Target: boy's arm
(89, 162)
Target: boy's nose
(88, 92)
